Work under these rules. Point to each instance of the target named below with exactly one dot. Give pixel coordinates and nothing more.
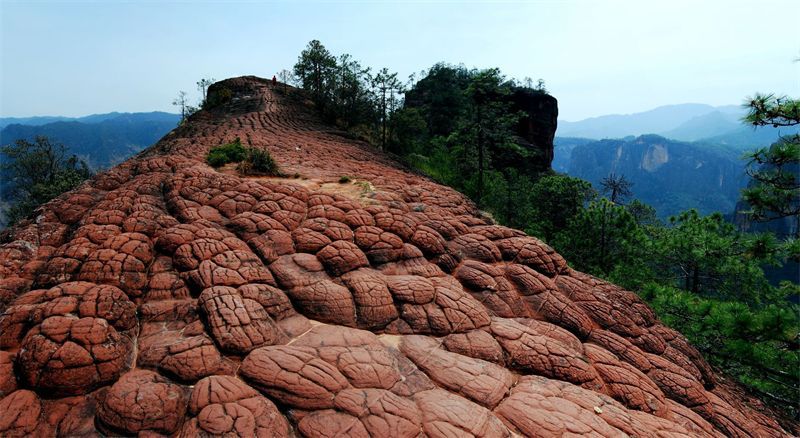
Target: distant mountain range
(92, 118)
(685, 122)
(701, 147)
(103, 140)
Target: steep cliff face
(535, 131)
(167, 297)
(671, 176)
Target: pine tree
(315, 69)
(775, 171)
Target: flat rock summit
(166, 297)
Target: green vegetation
(220, 97)
(344, 179)
(756, 345)
(37, 172)
(699, 273)
(252, 161)
(258, 162)
(775, 171)
(232, 152)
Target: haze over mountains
(688, 122)
(694, 160)
(101, 139)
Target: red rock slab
(341, 257)
(272, 244)
(225, 405)
(530, 352)
(237, 324)
(379, 246)
(429, 241)
(478, 344)
(553, 306)
(374, 304)
(367, 412)
(120, 261)
(542, 407)
(8, 381)
(446, 415)
(70, 416)
(325, 335)
(480, 381)
(70, 355)
(21, 411)
(297, 270)
(623, 348)
(295, 376)
(142, 401)
(412, 289)
(452, 310)
(73, 298)
(532, 252)
(475, 247)
(368, 366)
(185, 357)
(272, 299)
(626, 384)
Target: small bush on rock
(232, 152)
(258, 162)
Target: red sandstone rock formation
(167, 297)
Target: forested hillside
(669, 175)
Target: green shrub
(258, 162)
(216, 159)
(232, 152)
(217, 97)
(344, 179)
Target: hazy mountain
(101, 139)
(32, 121)
(745, 138)
(661, 119)
(706, 125)
(92, 118)
(670, 175)
(685, 122)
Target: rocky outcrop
(536, 131)
(166, 297)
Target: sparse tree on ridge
(202, 86)
(617, 188)
(286, 76)
(182, 101)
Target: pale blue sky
(597, 57)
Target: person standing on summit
(274, 80)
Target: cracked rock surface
(167, 298)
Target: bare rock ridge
(165, 297)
